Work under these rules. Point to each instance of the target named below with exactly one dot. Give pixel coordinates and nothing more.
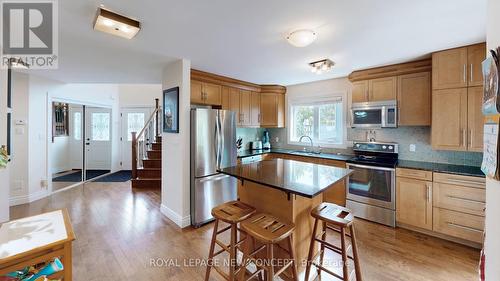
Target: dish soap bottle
(266, 144)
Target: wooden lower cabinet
(460, 225)
(414, 202)
(449, 206)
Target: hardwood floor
(119, 231)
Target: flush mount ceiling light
(321, 66)
(116, 24)
(301, 38)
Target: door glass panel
(77, 126)
(135, 123)
(100, 126)
(375, 184)
(371, 116)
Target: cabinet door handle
(465, 199)
(471, 77)
(464, 227)
(464, 137)
(465, 73)
(258, 117)
(470, 139)
(428, 193)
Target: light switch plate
(413, 147)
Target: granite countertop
(331, 156)
(442, 168)
(295, 177)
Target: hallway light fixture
(116, 24)
(301, 38)
(321, 66)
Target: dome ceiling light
(301, 38)
(321, 66)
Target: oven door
(372, 185)
(367, 117)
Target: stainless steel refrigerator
(213, 146)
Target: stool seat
(267, 228)
(333, 214)
(233, 212)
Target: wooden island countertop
(288, 190)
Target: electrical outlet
(276, 139)
(413, 147)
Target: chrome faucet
(310, 140)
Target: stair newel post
(157, 127)
(134, 155)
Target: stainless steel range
(372, 187)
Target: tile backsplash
(405, 136)
(248, 135)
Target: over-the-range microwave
(381, 114)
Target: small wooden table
(32, 240)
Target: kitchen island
(288, 190)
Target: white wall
(4, 173)
(19, 165)
(139, 95)
(492, 244)
(175, 189)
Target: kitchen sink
(307, 153)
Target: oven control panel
(376, 147)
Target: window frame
(317, 100)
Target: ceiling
(245, 39)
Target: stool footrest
(224, 229)
(334, 248)
(337, 230)
(285, 267)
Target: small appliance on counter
(266, 141)
(256, 145)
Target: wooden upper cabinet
(476, 54)
(449, 119)
(382, 89)
(225, 102)
(212, 93)
(205, 93)
(414, 99)
(234, 104)
(245, 107)
(475, 119)
(414, 202)
(255, 109)
(196, 92)
(272, 110)
(360, 91)
(449, 69)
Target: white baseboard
(182, 222)
(23, 199)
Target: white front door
(97, 138)
(133, 120)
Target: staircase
(146, 154)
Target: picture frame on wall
(171, 110)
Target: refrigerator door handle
(220, 142)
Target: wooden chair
(268, 231)
(337, 219)
(232, 213)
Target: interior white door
(97, 138)
(133, 120)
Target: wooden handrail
(136, 137)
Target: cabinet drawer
(477, 182)
(460, 198)
(456, 224)
(414, 174)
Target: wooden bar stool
(232, 213)
(269, 231)
(338, 219)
